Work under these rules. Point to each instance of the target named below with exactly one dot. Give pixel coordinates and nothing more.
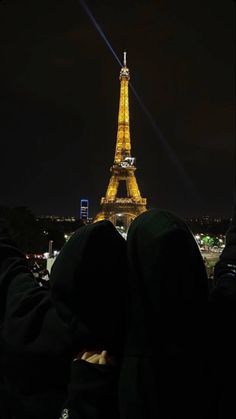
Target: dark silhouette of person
(165, 372)
(34, 339)
(44, 330)
(223, 321)
(93, 300)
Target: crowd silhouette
(122, 329)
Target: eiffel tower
(122, 210)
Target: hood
(88, 286)
(168, 280)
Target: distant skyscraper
(84, 209)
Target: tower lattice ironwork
(122, 210)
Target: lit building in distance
(84, 210)
(122, 210)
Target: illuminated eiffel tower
(122, 210)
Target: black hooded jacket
(223, 321)
(88, 286)
(94, 301)
(164, 372)
(34, 340)
(44, 329)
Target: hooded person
(88, 286)
(164, 373)
(44, 330)
(93, 301)
(34, 340)
(223, 314)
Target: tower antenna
(125, 58)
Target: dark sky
(59, 94)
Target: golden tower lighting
(122, 210)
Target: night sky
(59, 97)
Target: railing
(125, 201)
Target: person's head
(165, 350)
(168, 275)
(88, 281)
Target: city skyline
(60, 93)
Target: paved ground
(210, 256)
(210, 261)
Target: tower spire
(124, 59)
(123, 143)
